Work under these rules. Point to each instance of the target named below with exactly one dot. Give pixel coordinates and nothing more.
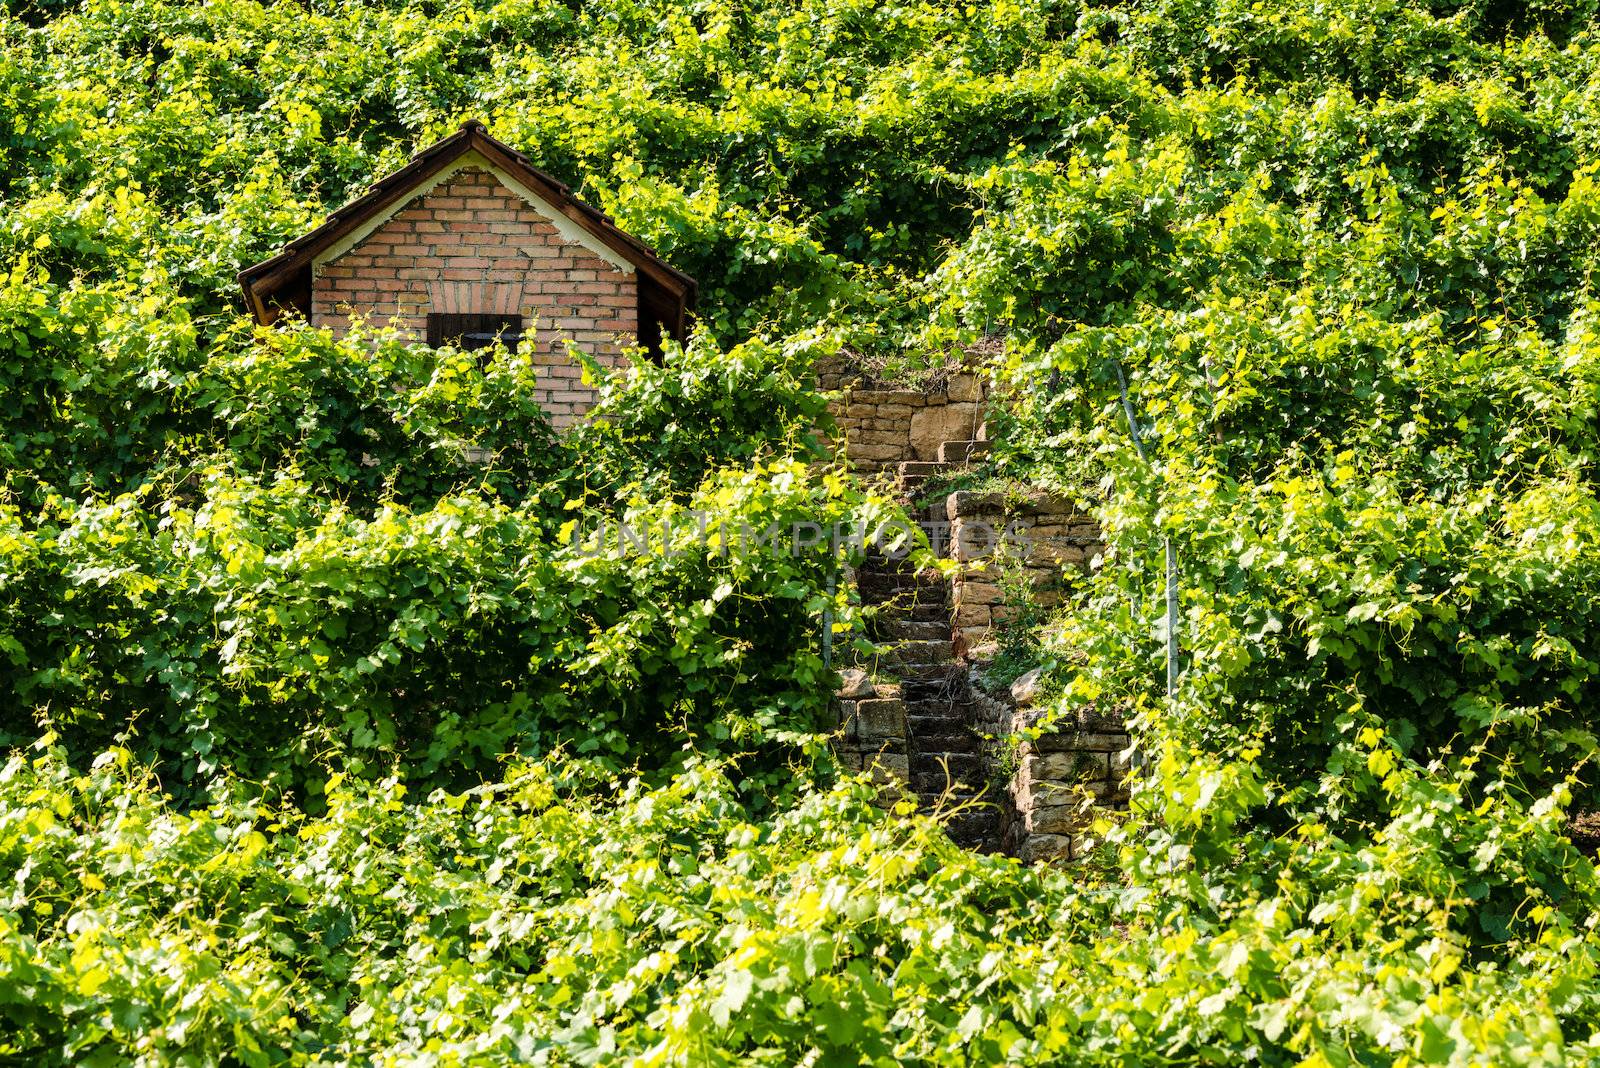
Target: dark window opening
(474, 330)
(649, 329)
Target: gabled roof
(284, 281)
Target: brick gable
(471, 244)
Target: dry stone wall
(1030, 544)
(1042, 791)
(872, 731)
(884, 426)
(1059, 779)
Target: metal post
(827, 615)
(1171, 550)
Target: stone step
(932, 710)
(924, 651)
(941, 734)
(920, 469)
(902, 598)
(939, 705)
(960, 742)
(960, 452)
(889, 655)
(888, 612)
(958, 784)
(914, 630)
(885, 569)
(907, 588)
(898, 567)
(934, 781)
(937, 715)
(966, 767)
(943, 690)
(899, 563)
(975, 829)
(913, 589)
(885, 584)
(923, 613)
(876, 560)
(916, 612)
(930, 799)
(942, 672)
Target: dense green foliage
(268, 630)
(551, 919)
(1341, 255)
(260, 623)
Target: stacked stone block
(872, 732)
(1037, 539)
(1062, 778)
(883, 426)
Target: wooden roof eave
(272, 275)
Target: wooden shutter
(474, 330)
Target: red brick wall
(472, 245)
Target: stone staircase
(915, 715)
(947, 767)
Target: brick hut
(468, 242)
